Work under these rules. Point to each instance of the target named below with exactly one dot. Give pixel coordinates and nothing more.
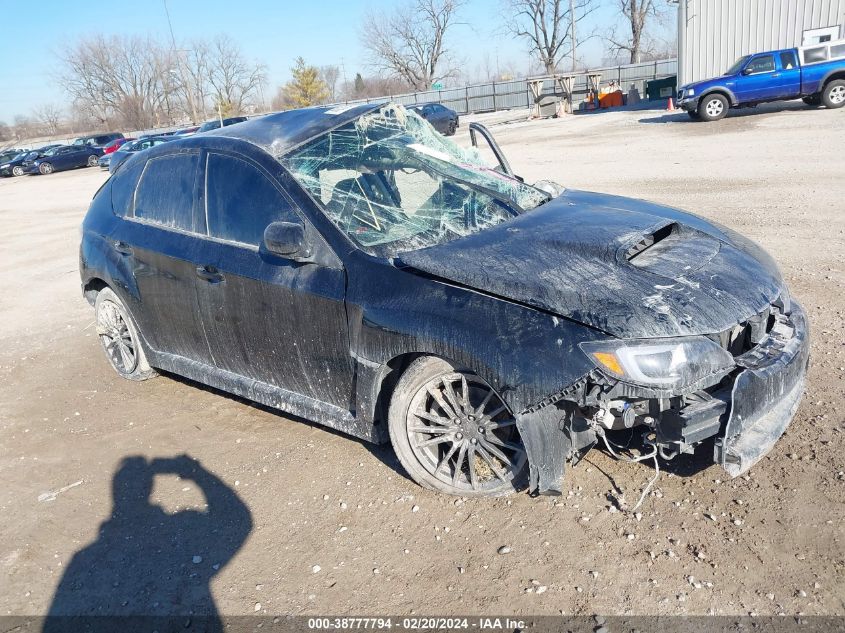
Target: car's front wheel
(45, 168)
(453, 433)
(833, 95)
(713, 107)
(119, 337)
(93, 160)
(17, 171)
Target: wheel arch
(721, 90)
(833, 75)
(92, 288)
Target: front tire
(833, 95)
(453, 433)
(713, 107)
(119, 337)
(17, 171)
(45, 168)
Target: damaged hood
(630, 268)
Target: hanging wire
(652, 455)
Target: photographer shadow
(148, 564)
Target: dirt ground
(335, 526)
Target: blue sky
(274, 32)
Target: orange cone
(670, 106)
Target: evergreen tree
(306, 88)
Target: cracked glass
(391, 183)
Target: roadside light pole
(188, 90)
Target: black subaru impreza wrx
(351, 266)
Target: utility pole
(188, 90)
(573, 42)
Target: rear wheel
(713, 107)
(93, 160)
(45, 168)
(833, 95)
(119, 337)
(453, 433)
(452, 127)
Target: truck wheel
(833, 95)
(713, 108)
(812, 100)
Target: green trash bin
(661, 89)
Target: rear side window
(788, 61)
(124, 181)
(241, 201)
(165, 194)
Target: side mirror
(288, 240)
(747, 71)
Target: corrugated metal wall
(712, 34)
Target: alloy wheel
(837, 95)
(17, 171)
(462, 433)
(116, 337)
(714, 107)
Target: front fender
(527, 355)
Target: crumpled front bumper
(766, 394)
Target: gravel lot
(335, 525)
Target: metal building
(712, 34)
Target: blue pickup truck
(814, 73)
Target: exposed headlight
(669, 364)
(690, 92)
(4, 165)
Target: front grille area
(746, 335)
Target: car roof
(282, 131)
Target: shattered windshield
(393, 184)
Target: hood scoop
(671, 251)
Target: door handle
(123, 248)
(210, 274)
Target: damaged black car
(351, 266)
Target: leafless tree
(637, 14)
(235, 83)
(50, 116)
(411, 42)
(330, 75)
(549, 27)
(119, 79)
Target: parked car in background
(98, 141)
(443, 119)
(215, 123)
(115, 144)
(187, 131)
(814, 73)
(345, 266)
(63, 157)
(8, 154)
(15, 167)
(116, 159)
